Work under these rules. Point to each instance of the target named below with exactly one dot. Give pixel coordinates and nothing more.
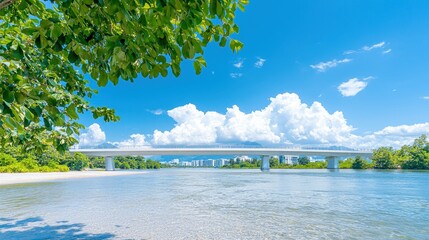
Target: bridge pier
(265, 163)
(109, 163)
(333, 163)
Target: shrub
(6, 159)
(77, 162)
(359, 163)
(45, 169)
(17, 168)
(31, 164)
(63, 168)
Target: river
(221, 204)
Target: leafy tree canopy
(45, 52)
(303, 160)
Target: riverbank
(16, 178)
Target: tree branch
(6, 3)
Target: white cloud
(236, 75)
(239, 126)
(394, 136)
(381, 45)
(426, 97)
(387, 51)
(352, 87)
(156, 111)
(377, 45)
(286, 119)
(260, 63)
(135, 140)
(349, 52)
(92, 137)
(239, 64)
(192, 127)
(405, 130)
(368, 78)
(323, 66)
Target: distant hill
(102, 146)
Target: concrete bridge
(265, 153)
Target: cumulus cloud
(239, 64)
(405, 130)
(377, 45)
(286, 119)
(92, 137)
(260, 63)
(352, 86)
(192, 127)
(239, 126)
(323, 66)
(135, 140)
(394, 136)
(236, 75)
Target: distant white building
(185, 164)
(221, 162)
(175, 161)
(288, 159)
(209, 163)
(195, 163)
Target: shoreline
(34, 177)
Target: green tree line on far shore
(127, 162)
(415, 156)
(13, 160)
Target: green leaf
(8, 96)
(45, 23)
(29, 31)
(28, 114)
(235, 45)
(71, 111)
(219, 10)
(94, 73)
(18, 53)
(47, 123)
(197, 67)
(102, 81)
(222, 42)
(43, 41)
(175, 69)
(73, 57)
(213, 7)
(56, 31)
(20, 98)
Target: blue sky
(361, 68)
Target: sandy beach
(16, 178)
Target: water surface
(222, 204)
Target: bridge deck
(220, 151)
